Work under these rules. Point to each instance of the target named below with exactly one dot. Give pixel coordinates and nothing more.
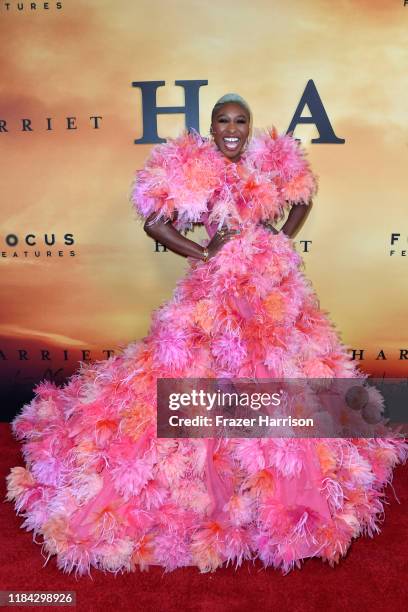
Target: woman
(102, 490)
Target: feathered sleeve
(283, 158)
(180, 176)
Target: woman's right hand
(219, 239)
(165, 233)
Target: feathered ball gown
(100, 489)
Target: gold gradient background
(81, 61)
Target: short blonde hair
(231, 98)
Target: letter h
(150, 110)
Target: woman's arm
(296, 217)
(164, 232)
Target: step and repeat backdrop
(87, 88)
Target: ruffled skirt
(100, 489)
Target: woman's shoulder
(270, 150)
(180, 149)
(284, 159)
(179, 175)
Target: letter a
(319, 116)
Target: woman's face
(230, 129)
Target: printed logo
(30, 7)
(302, 246)
(395, 243)
(360, 354)
(49, 124)
(37, 245)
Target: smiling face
(230, 129)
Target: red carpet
(373, 576)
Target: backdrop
(80, 90)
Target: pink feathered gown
(100, 489)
